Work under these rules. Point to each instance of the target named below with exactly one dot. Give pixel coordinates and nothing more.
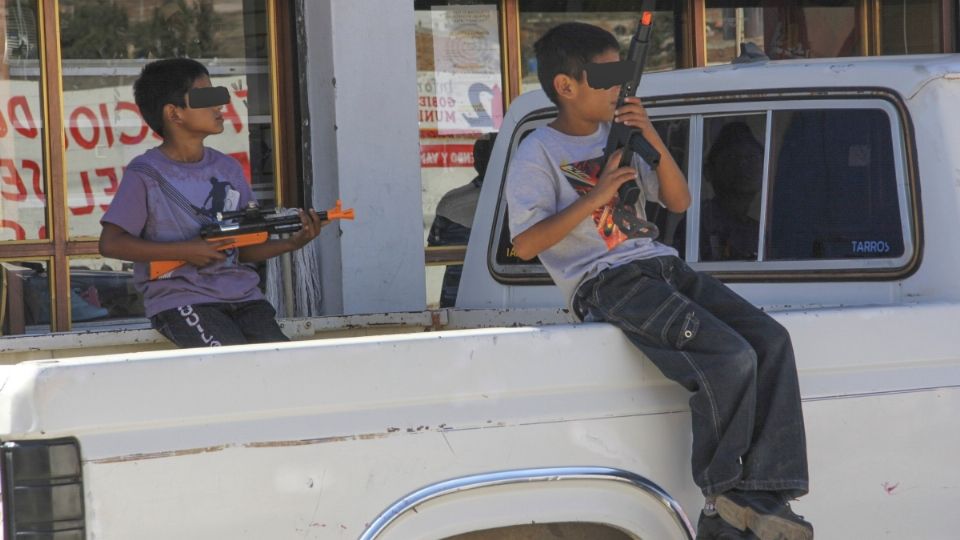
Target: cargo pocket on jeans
(688, 330)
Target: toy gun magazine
(246, 228)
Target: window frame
(698, 106)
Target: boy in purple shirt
(166, 195)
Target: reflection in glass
(25, 300)
(912, 27)
(782, 28)
(104, 130)
(460, 93)
(102, 292)
(620, 17)
(675, 134)
(23, 213)
(731, 188)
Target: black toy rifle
(624, 137)
(246, 228)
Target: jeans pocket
(688, 330)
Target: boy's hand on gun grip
(633, 114)
(311, 228)
(611, 177)
(200, 252)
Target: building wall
(362, 95)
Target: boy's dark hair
(567, 49)
(162, 82)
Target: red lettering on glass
(107, 128)
(91, 143)
(38, 187)
(42, 232)
(88, 193)
(111, 175)
(28, 129)
(12, 179)
(139, 137)
(3, 126)
(18, 232)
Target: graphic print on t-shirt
(222, 198)
(615, 221)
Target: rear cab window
(803, 188)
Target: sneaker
(713, 527)
(764, 513)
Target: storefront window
(620, 17)
(460, 92)
(102, 293)
(23, 206)
(782, 28)
(25, 297)
(912, 27)
(104, 45)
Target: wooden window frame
(58, 247)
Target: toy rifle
(621, 136)
(246, 228)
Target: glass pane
(104, 130)
(782, 28)
(102, 293)
(834, 187)
(460, 92)
(23, 199)
(620, 17)
(731, 187)
(25, 300)
(912, 27)
(675, 133)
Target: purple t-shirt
(216, 183)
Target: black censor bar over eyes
(609, 74)
(211, 96)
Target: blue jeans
(216, 324)
(736, 360)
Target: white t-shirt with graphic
(548, 172)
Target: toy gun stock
(246, 228)
(622, 136)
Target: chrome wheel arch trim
(518, 476)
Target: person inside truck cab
(164, 198)
(454, 217)
(749, 449)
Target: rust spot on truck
(157, 455)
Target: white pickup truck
(827, 192)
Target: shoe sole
(765, 526)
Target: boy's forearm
(553, 229)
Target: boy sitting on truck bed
(749, 449)
(166, 195)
